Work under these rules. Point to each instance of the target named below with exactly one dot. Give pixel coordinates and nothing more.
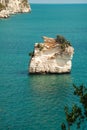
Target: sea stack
(8, 7)
(52, 56)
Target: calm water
(36, 102)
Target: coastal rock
(8, 7)
(52, 56)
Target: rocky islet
(52, 56)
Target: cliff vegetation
(2, 7)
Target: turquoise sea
(36, 102)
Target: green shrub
(60, 39)
(39, 46)
(31, 54)
(63, 42)
(77, 115)
(25, 3)
(2, 7)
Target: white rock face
(50, 57)
(14, 6)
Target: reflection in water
(46, 83)
(49, 95)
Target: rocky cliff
(8, 7)
(52, 56)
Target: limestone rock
(51, 57)
(8, 7)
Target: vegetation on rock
(2, 7)
(40, 47)
(25, 3)
(62, 41)
(31, 54)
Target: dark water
(36, 102)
